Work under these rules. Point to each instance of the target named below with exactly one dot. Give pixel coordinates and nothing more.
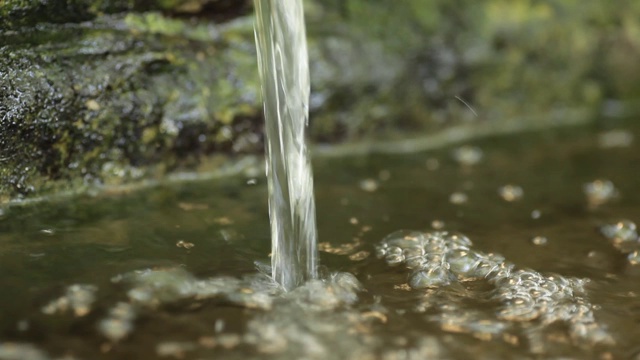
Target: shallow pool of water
(173, 271)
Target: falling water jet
(284, 73)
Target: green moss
(141, 93)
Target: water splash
(284, 72)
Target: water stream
(284, 72)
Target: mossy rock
(104, 92)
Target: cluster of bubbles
(19, 351)
(599, 192)
(623, 234)
(439, 258)
(77, 298)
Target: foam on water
(439, 259)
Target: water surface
(182, 260)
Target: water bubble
(456, 240)
(634, 258)
(359, 256)
(599, 192)
(78, 299)
(394, 256)
(437, 224)
(510, 192)
(21, 351)
(623, 231)
(464, 262)
(174, 349)
(539, 240)
(119, 323)
(623, 234)
(369, 185)
(404, 238)
(468, 155)
(428, 278)
(615, 138)
(458, 198)
(185, 244)
(49, 232)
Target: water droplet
(511, 193)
